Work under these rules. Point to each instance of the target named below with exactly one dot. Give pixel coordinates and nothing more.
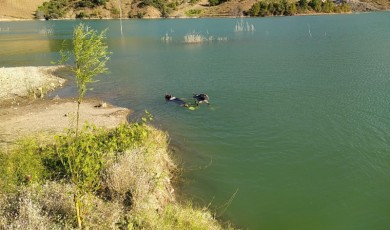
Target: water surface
(298, 125)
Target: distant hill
(370, 5)
(27, 9)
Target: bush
(193, 12)
(21, 166)
(53, 9)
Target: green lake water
(297, 135)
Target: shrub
(21, 165)
(193, 12)
(85, 157)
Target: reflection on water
(28, 45)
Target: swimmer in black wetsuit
(200, 98)
(176, 100)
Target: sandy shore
(40, 116)
(14, 19)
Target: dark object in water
(200, 98)
(176, 100)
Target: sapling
(90, 54)
(80, 157)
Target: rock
(101, 105)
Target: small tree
(82, 160)
(90, 54)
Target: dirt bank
(31, 116)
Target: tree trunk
(78, 210)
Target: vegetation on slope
(55, 9)
(193, 8)
(277, 8)
(133, 188)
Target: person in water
(176, 100)
(201, 98)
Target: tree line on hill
(55, 9)
(279, 8)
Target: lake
(297, 133)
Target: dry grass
(145, 173)
(188, 217)
(50, 206)
(22, 211)
(22, 9)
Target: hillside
(20, 9)
(27, 9)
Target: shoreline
(153, 199)
(24, 110)
(187, 17)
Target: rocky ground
(23, 82)
(22, 115)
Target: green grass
(134, 192)
(21, 166)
